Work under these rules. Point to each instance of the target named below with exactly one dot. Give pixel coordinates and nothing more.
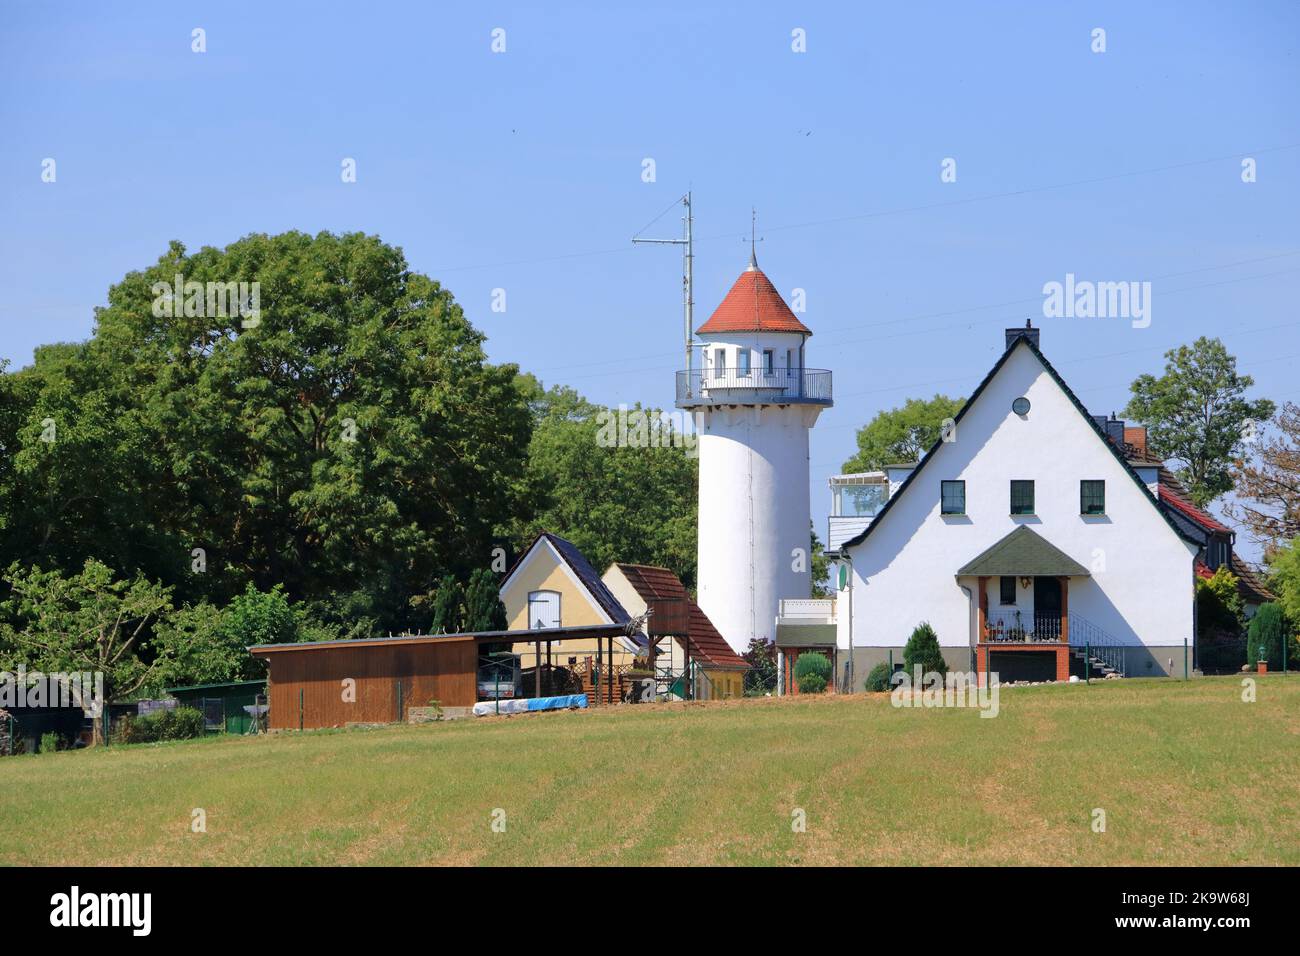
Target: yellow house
(554, 585)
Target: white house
(1025, 537)
(753, 402)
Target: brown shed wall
(442, 670)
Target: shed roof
(1024, 551)
(221, 686)
(523, 636)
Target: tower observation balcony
(703, 388)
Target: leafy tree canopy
(620, 487)
(902, 434)
(350, 441)
(1268, 483)
(1196, 414)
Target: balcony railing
(798, 610)
(809, 386)
(1022, 627)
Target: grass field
(1186, 773)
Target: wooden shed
(376, 680)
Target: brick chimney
(1028, 332)
(1135, 436)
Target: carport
(376, 680)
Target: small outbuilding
(377, 680)
(222, 705)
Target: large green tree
(622, 487)
(90, 621)
(350, 441)
(1196, 414)
(902, 434)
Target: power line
(902, 210)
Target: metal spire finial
(753, 240)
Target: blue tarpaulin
(525, 704)
(557, 703)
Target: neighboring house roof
(1024, 551)
(653, 583)
(1170, 496)
(659, 584)
(1249, 584)
(1017, 342)
(1135, 436)
(708, 644)
(753, 305)
(582, 569)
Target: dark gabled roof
(1024, 551)
(580, 566)
(1025, 340)
(1249, 584)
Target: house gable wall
(1141, 585)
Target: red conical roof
(753, 305)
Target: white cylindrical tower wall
(754, 537)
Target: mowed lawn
(1187, 773)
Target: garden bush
(812, 672)
(878, 679)
(1264, 637)
(182, 723)
(923, 648)
(49, 742)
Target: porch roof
(1024, 552)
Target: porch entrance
(1047, 608)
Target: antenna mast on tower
(688, 282)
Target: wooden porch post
(1065, 609)
(982, 620)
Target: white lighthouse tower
(754, 402)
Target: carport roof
(528, 636)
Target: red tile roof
(707, 645)
(653, 583)
(753, 305)
(1172, 493)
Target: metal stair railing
(1098, 648)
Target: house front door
(1047, 609)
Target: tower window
(769, 361)
(1022, 497)
(952, 497)
(743, 367)
(720, 361)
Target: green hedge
(182, 723)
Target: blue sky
(522, 171)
